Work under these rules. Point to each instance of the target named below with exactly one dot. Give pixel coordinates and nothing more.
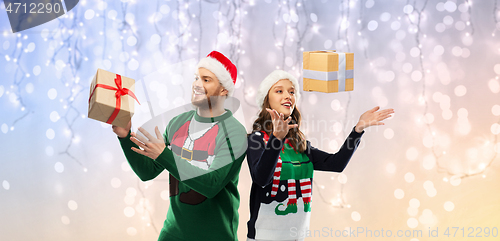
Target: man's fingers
(158, 133)
(137, 142)
(145, 133)
(139, 151)
(140, 138)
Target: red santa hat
(222, 67)
(270, 80)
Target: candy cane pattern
(305, 187)
(292, 193)
(276, 178)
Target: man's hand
(122, 132)
(151, 147)
(373, 117)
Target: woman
(282, 162)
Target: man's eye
(206, 80)
(279, 91)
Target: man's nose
(197, 83)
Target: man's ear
(224, 91)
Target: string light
(289, 40)
(416, 21)
(496, 17)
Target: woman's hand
(373, 117)
(151, 147)
(280, 125)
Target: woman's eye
(279, 91)
(292, 92)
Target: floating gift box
(112, 98)
(328, 71)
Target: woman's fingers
(389, 111)
(272, 113)
(384, 117)
(278, 115)
(386, 111)
(375, 108)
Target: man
(205, 149)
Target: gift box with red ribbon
(111, 98)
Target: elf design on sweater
(280, 197)
(294, 172)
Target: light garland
(19, 76)
(496, 17)
(69, 50)
(416, 23)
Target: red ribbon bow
(119, 93)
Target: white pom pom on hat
(222, 67)
(270, 80)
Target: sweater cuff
(166, 159)
(274, 143)
(125, 138)
(356, 133)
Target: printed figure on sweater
(282, 162)
(194, 145)
(202, 149)
(197, 147)
(293, 173)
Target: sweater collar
(222, 117)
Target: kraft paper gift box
(111, 98)
(328, 71)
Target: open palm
(373, 117)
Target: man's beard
(209, 101)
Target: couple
(203, 150)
